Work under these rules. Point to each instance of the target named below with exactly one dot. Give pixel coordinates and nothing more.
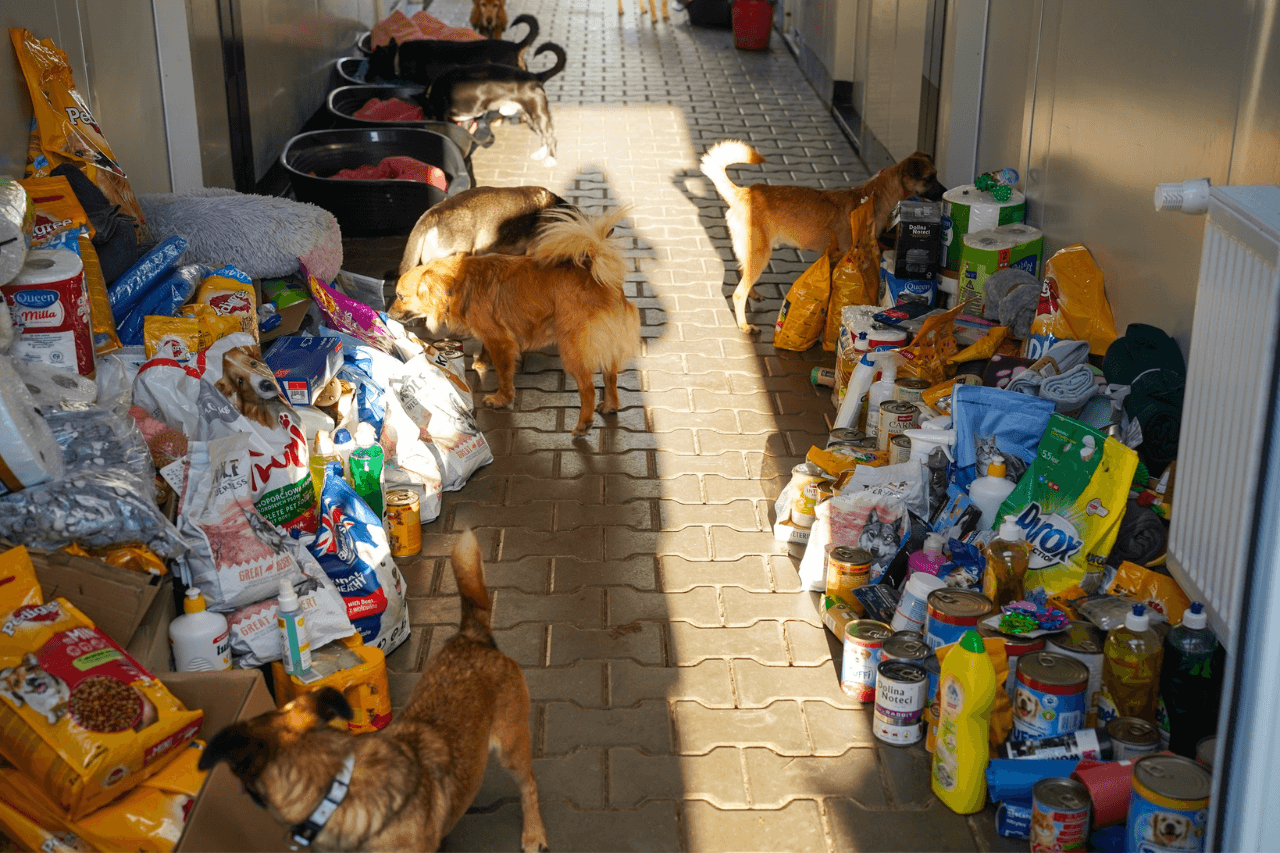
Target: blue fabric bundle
(1071, 390)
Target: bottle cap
(287, 597)
(365, 436)
(341, 435)
(194, 601)
(933, 543)
(1010, 530)
(1138, 620)
(1195, 618)
(972, 641)
(997, 467)
(324, 443)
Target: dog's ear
(233, 745)
(330, 703)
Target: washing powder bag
(1069, 506)
(990, 422)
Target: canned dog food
(1205, 750)
(1014, 648)
(900, 699)
(905, 646)
(1084, 642)
(846, 435)
(847, 569)
(1094, 744)
(909, 389)
(1169, 805)
(896, 417)
(402, 519)
(805, 478)
(1132, 737)
(449, 348)
(951, 612)
(933, 708)
(863, 639)
(899, 449)
(1059, 815)
(1050, 696)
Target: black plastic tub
(368, 208)
(347, 71)
(344, 102)
(364, 43)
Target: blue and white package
(1013, 819)
(991, 421)
(902, 290)
(1011, 779)
(351, 546)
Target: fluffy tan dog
(567, 291)
(761, 216)
(489, 17)
(408, 784)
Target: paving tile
(798, 826)
(685, 488)
(577, 779)
(759, 685)
(638, 641)
(636, 778)
(739, 514)
(811, 645)
(645, 726)
(776, 779)
(584, 607)
(706, 682)
(743, 607)
(833, 730)
(677, 574)
(531, 574)
(855, 827)
(621, 543)
(762, 641)
(652, 828)
(699, 729)
(698, 606)
(569, 574)
(581, 682)
(906, 773)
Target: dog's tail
(570, 236)
(722, 155)
(532, 23)
(468, 571)
(561, 58)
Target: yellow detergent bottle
(966, 693)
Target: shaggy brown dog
(762, 216)
(411, 782)
(568, 291)
(489, 17)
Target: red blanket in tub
(403, 28)
(399, 168)
(392, 109)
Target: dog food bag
(228, 389)
(869, 512)
(78, 715)
(855, 280)
(992, 422)
(1155, 591)
(64, 130)
(193, 331)
(433, 392)
(801, 318)
(230, 293)
(1069, 506)
(344, 314)
(1073, 305)
(352, 549)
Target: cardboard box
(223, 817)
(292, 301)
(304, 365)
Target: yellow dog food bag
(230, 293)
(856, 278)
(800, 318)
(78, 715)
(1156, 591)
(194, 330)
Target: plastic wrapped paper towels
(967, 209)
(29, 454)
(16, 218)
(1016, 245)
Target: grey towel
(1071, 390)
(1068, 354)
(998, 285)
(1018, 309)
(1026, 382)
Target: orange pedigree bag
(1073, 305)
(79, 716)
(856, 278)
(800, 319)
(65, 130)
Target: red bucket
(752, 23)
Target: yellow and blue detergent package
(1069, 505)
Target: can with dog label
(1014, 648)
(863, 640)
(933, 707)
(1094, 744)
(805, 479)
(1132, 737)
(906, 646)
(899, 450)
(900, 699)
(1059, 815)
(896, 417)
(402, 519)
(909, 389)
(1083, 641)
(449, 347)
(1169, 805)
(847, 569)
(1049, 697)
(951, 612)
(1205, 748)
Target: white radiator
(1228, 408)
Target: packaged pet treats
(344, 314)
(188, 334)
(1153, 590)
(352, 549)
(1073, 305)
(230, 293)
(63, 128)
(855, 280)
(990, 422)
(1069, 506)
(928, 356)
(79, 716)
(804, 310)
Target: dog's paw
(749, 328)
(606, 409)
(582, 429)
(496, 401)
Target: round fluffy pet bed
(262, 236)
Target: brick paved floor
(685, 694)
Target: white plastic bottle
(295, 645)
(989, 492)
(199, 639)
(855, 393)
(881, 389)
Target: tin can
(1094, 744)
(847, 569)
(1132, 737)
(905, 646)
(1059, 815)
(909, 389)
(896, 417)
(805, 478)
(847, 435)
(899, 449)
(901, 688)
(951, 612)
(1083, 641)
(1050, 696)
(863, 639)
(448, 346)
(862, 452)
(1205, 749)
(1014, 648)
(402, 520)
(933, 708)
(1169, 805)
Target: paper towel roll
(51, 386)
(1015, 245)
(50, 308)
(967, 209)
(29, 454)
(16, 217)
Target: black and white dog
(422, 60)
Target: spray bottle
(966, 693)
(855, 393)
(295, 645)
(882, 389)
(925, 441)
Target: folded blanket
(392, 109)
(998, 285)
(1068, 354)
(396, 169)
(1018, 309)
(1071, 390)
(1142, 536)
(1026, 382)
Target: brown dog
(762, 216)
(410, 783)
(489, 17)
(653, 9)
(567, 291)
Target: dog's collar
(304, 833)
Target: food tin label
(909, 389)
(1059, 815)
(899, 450)
(951, 612)
(1049, 697)
(847, 569)
(1084, 743)
(1132, 737)
(863, 640)
(805, 479)
(1083, 642)
(1169, 805)
(402, 520)
(901, 696)
(896, 417)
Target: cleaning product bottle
(855, 394)
(929, 559)
(881, 389)
(343, 444)
(1008, 557)
(1191, 681)
(966, 693)
(199, 638)
(323, 454)
(989, 492)
(1131, 659)
(366, 467)
(295, 645)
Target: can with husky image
(863, 641)
(1049, 697)
(901, 695)
(1059, 815)
(1169, 805)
